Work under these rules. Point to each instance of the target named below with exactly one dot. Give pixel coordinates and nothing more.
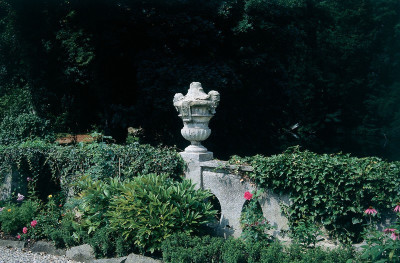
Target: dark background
(329, 68)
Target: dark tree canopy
(309, 72)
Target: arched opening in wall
(252, 214)
(215, 206)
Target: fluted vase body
(196, 109)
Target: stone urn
(196, 109)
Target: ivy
(98, 160)
(332, 189)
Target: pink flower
(370, 211)
(248, 195)
(19, 236)
(397, 208)
(20, 197)
(25, 230)
(29, 179)
(389, 230)
(33, 223)
(394, 236)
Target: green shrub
(305, 233)
(234, 251)
(182, 248)
(68, 232)
(49, 217)
(151, 207)
(103, 242)
(18, 128)
(331, 189)
(254, 224)
(14, 217)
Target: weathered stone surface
(133, 258)
(13, 244)
(196, 109)
(12, 182)
(110, 260)
(83, 253)
(47, 247)
(229, 188)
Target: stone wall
(11, 183)
(226, 184)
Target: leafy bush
(252, 220)
(14, 217)
(305, 233)
(332, 189)
(382, 246)
(18, 128)
(67, 232)
(183, 248)
(151, 207)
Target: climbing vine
(98, 160)
(331, 189)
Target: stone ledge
(47, 247)
(133, 258)
(12, 244)
(196, 157)
(110, 260)
(217, 165)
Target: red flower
(248, 195)
(19, 236)
(25, 230)
(33, 223)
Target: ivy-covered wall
(332, 190)
(56, 166)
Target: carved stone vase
(196, 109)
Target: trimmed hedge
(181, 248)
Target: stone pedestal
(197, 157)
(193, 168)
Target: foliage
(305, 233)
(151, 207)
(382, 246)
(49, 217)
(41, 160)
(331, 189)
(14, 216)
(254, 224)
(66, 232)
(181, 248)
(24, 126)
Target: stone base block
(196, 157)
